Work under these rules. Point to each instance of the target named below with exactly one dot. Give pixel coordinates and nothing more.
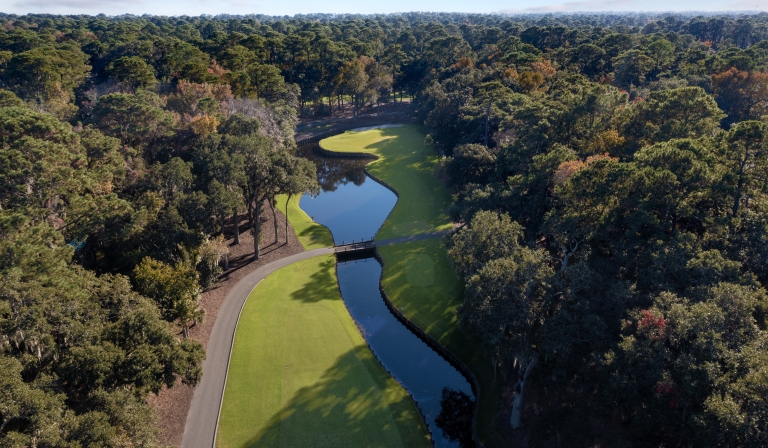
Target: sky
(291, 7)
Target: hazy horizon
(293, 7)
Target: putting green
(311, 234)
(405, 163)
(301, 375)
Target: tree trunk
(9, 419)
(517, 405)
(226, 262)
(394, 93)
(256, 229)
(487, 119)
(274, 220)
(236, 219)
(286, 217)
(222, 219)
(737, 197)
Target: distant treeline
(609, 171)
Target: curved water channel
(353, 207)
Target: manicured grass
(420, 281)
(406, 164)
(418, 276)
(311, 234)
(301, 374)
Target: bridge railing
(355, 245)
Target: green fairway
(311, 234)
(405, 163)
(419, 279)
(418, 276)
(301, 375)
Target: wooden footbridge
(354, 246)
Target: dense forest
(610, 174)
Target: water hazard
(354, 207)
(350, 204)
(422, 371)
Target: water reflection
(332, 172)
(455, 419)
(350, 204)
(422, 372)
(354, 207)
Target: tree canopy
(609, 176)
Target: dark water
(422, 371)
(350, 204)
(354, 207)
(332, 172)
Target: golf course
(300, 373)
(418, 276)
(300, 369)
(311, 235)
(405, 164)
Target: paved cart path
(203, 417)
(200, 431)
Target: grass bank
(405, 163)
(311, 234)
(301, 374)
(418, 276)
(419, 280)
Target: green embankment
(405, 163)
(419, 279)
(311, 234)
(418, 276)
(301, 374)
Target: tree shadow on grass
(321, 285)
(347, 406)
(407, 167)
(403, 135)
(315, 235)
(428, 302)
